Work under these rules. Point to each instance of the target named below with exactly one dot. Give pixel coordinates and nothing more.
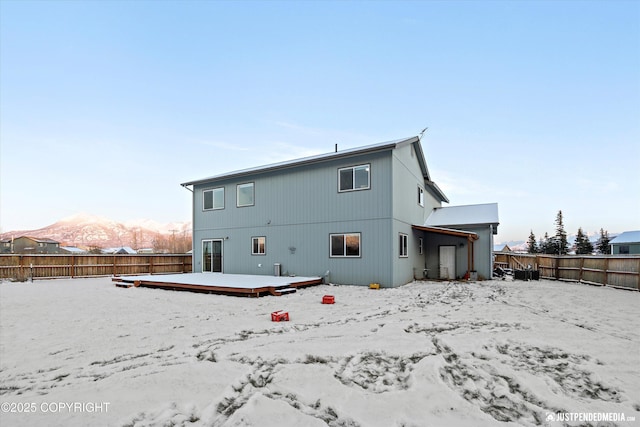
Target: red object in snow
(280, 316)
(328, 299)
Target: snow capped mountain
(90, 230)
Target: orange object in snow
(328, 299)
(280, 316)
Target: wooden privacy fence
(23, 267)
(618, 271)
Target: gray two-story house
(358, 216)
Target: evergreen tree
(532, 246)
(548, 246)
(562, 246)
(603, 242)
(583, 245)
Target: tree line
(558, 244)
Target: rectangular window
(420, 243)
(354, 178)
(403, 245)
(624, 249)
(420, 196)
(245, 194)
(258, 245)
(345, 245)
(213, 199)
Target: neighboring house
(627, 243)
(5, 246)
(34, 245)
(73, 250)
(124, 250)
(501, 248)
(358, 215)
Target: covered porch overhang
(470, 236)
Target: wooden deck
(218, 283)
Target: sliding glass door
(212, 256)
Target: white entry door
(448, 262)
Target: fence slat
(616, 271)
(22, 267)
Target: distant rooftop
(627, 237)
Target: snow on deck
(222, 282)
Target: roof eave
(304, 161)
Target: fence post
(73, 265)
(605, 279)
(150, 264)
(581, 269)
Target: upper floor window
(345, 245)
(213, 199)
(420, 196)
(245, 195)
(258, 245)
(354, 178)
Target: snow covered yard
(83, 352)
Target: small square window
(258, 245)
(245, 194)
(354, 178)
(403, 245)
(213, 199)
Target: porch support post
(469, 257)
(473, 255)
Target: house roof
(37, 239)
(464, 215)
(382, 146)
(73, 249)
(626, 237)
(122, 249)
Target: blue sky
(107, 106)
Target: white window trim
(264, 245)
(403, 243)
(420, 245)
(353, 177)
(345, 245)
(421, 196)
(253, 189)
(213, 199)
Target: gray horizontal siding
(300, 209)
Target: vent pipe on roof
(336, 148)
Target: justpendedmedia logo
(588, 417)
